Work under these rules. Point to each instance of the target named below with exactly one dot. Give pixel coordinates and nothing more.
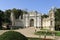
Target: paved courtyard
(29, 32)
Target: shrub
(12, 35)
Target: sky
(42, 6)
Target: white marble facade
(49, 22)
(32, 19)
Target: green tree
(24, 12)
(1, 18)
(57, 19)
(7, 16)
(44, 16)
(17, 12)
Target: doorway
(31, 22)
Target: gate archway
(31, 22)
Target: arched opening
(51, 23)
(31, 22)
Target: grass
(57, 33)
(48, 33)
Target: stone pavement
(29, 32)
(57, 38)
(2, 31)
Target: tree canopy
(5, 15)
(17, 12)
(44, 16)
(57, 19)
(1, 18)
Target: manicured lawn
(49, 33)
(57, 33)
